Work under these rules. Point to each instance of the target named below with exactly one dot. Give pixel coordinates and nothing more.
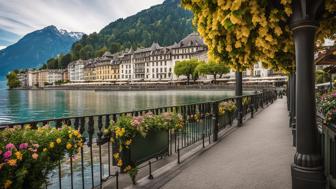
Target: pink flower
(23, 146)
(36, 145)
(10, 146)
(35, 156)
(136, 122)
(7, 154)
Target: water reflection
(19, 106)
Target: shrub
(27, 155)
(226, 107)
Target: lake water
(21, 105)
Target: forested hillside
(165, 23)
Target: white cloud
(24, 16)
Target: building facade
(76, 71)
(154, 63)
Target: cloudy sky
(19, 17)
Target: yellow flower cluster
(120, 132)
(243, 32)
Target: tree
(212, 68)
(86, 52)
(101, 51)
(52, 63)
(13, 80)
(187, 68)
(63, 61)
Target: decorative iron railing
(95, 165)
(327, 136)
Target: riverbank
(152, 87)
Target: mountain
(165, 23)
(36, 48)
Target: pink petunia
(36, 145)
(10, 146)
(23, 146)
(7, 154)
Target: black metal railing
(327, 136)
(94, 165)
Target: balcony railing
(95, 162)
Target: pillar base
(307, 178)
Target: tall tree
(13, 80)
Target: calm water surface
(20, 106)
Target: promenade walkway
(257, 155)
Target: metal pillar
(292, 98)
(287, 93)
(307, 169)
(292, 122)
(239, 92)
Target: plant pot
(142, 149)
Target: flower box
(142, 149)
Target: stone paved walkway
(257, 156)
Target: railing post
(292, 99)
(252, 106)
(215, 121)
(150, 176)
(239, 93)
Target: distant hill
(36, 48)
(165, 23)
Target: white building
(157, 63)
(54, 76)
(76, 71)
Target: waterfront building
(104, 68)
(42, 78)
(154, 63)
(55, 76)
(32, 78)
(157, 63)
(90, 71)
(76, 70)
(125, 65)
(23, 78)
(65, 76)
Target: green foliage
(322, 76)
(212, 68)
(187, 68)
(13, 80)
(27, 156)
(166, 23)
